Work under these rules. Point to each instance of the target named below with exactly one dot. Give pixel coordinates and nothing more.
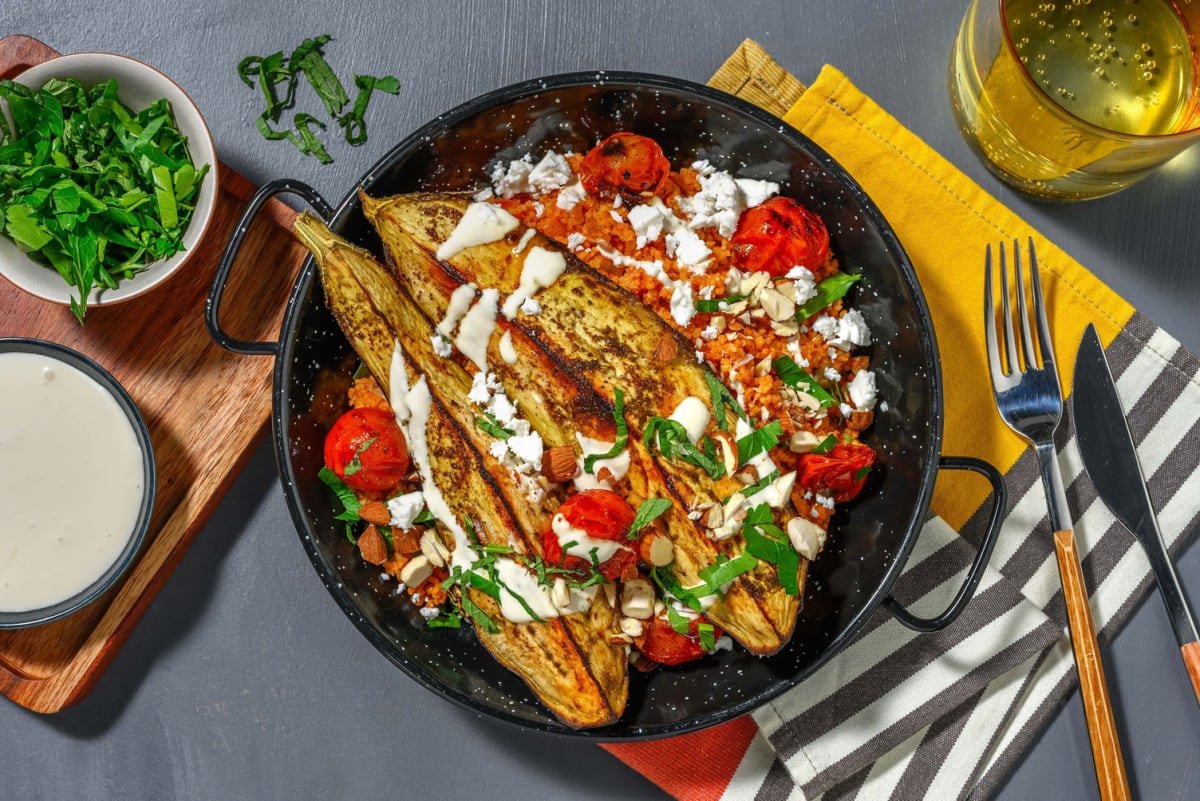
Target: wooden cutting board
(206, 410)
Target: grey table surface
(243, 680)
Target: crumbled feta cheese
(430, 612)
(551, 173)
(862, 390)
(722, 198)
(844, 332)
(647, 222)
(688, 249)
(846, 409)
(538, 209)
(706, 292)
(441, 345)
(884, 407)
(527, 448)
(710, 333)
(853, 329)
(480, 392)
(755, 193)
(575, 240)
(570, 196)
(531, 306)
(497, 449)
(513, 179)
(824, 500)
(405, 508)
(503, 409)
(683, 306)
(804, 282)
(832, 374)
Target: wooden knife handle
(1102, 727)
(1191, 658)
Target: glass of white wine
(1077, 99)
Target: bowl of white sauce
(77, 481)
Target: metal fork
(1030, 401)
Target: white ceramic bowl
(139, 85)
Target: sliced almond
(416, 571)
(715, 517)
(805, 536)
(631, 627)
(375, 512)
(637, 599)
(803, 442)
(660, 551)
(728, 451)
(777, 307)
(433, 549)
(372, 546)
(559, 464)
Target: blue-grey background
(243, 680)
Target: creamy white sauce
(540, 269)
(517, 580)
(507, 352)
(481, 223)
(420, 402)
(693, 415)
(617, 465)
(71, 481)
(580, 544)
(460, 301)
(475, 330)
(398, 387)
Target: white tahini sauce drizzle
(507, 352)
(517, 579)
(693, 415)
(475, 330)
(481, 223)
(581, 544)
(72, 483)
(617, 465)
(460, 301)
(540, 269)
(398, 388)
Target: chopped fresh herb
(386, 531)
(725, 570)
(791, 374)
(707, 634)
(360, 371)
(91, 188)
(761, 484)
(353, 123)
(671, 439)
(446, 620)
(760, 440)
(350, 503)
(825, 445)
(589, 462)
(721, 397)
(648, 510)
(768, 542)
(715, 304)
(829, 290)
(671, 588)
(680, 622)
(490, 425)
(480, 617)
(355, 463)
(308, 60)
(426, 518)
(862, 472)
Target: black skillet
(871, 537)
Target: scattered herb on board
(277, 77)
(91, 188)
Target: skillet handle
(975, 573)
(213, 305)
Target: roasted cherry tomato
(602, 515)
(778, 235)
(625, 164)
(366, 449)
(840, 473)
(662, 644)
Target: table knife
(1110, 458)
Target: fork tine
(1010, 342)
(989, 322)
(1039, 308)
(1023, 310)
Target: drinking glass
(1076, 99)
